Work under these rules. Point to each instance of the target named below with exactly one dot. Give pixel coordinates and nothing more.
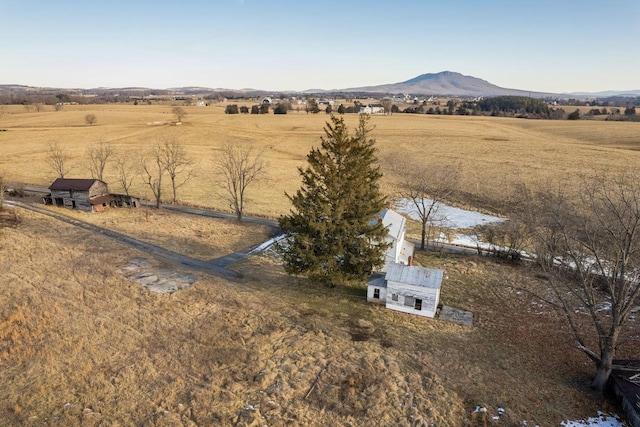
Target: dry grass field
(491, 153)
(81, 345)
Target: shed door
(418, 304)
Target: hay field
(490, 152)
(81, 345)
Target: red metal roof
(77, 184)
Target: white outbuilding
(406, 288)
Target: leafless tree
(90, 119)
(387, 104)
(38, 107)
(591, 250)
(241, 166)
(2, 110)
(426, 186)
(57, 106)
(126, 170)
(98, 155)
(179, 112)
(176, 162)
(58, 159)
(152, 172)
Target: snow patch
(602, 420)
(447, 216)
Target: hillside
(269, 349)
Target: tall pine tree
(333, 233)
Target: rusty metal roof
(77, 184)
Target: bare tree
(591, 251)
(2, 110)
(179, 112)
(152, 173)
(90, 119)
(426, 187)
(58, 106)
(98, 155)
(38, 106)
(176, 163)
(240, 166)
(58, 159)
(126, 171)
(387, 104)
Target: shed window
(376, 293)
(394, 297)
(409, 301)
(418, 304)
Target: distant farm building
(372, 109)
(86, 194)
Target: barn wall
(429, 297)
(98, 188)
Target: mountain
(447, 83)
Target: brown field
(82, 345)
(490, 152)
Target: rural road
(216, 267)
(268, 222)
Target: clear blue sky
(540, 45)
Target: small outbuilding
(410, 289)
(86, 194)
(79, 193)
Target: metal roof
(394, 222)
(77, 184)
(414, 275)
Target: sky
(541, 45)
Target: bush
(574, 116)
(231, 109)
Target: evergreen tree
(333, 233)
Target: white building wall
(429, 297)
(371, 291)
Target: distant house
(410, 289)
(372, 109)
(399, 251)
(85, 194)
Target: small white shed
(410, 289)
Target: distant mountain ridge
(448, 83)
(445, 83)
